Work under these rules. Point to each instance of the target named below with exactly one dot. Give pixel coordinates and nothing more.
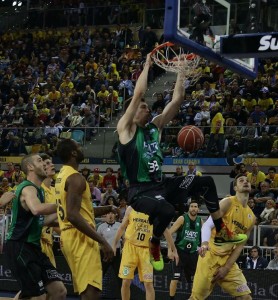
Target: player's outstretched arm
(172, 250)
(172, 107)
(75, 186)
(126, 120)
(121, 229)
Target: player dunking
(141, 160)
(219, 264)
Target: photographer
(201, 21)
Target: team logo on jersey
(249, 216)
(126, 271)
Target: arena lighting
(16, 3)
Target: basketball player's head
(49, 166)
(33, 164)
(241, 184)
(193, 208)
(70, 151)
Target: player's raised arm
(173, 106)
(126, 121)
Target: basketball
(190, 138)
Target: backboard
(177, 30)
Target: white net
(172, 58)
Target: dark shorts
(174, 190)
(187, 264)
(31, 267)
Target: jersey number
(47, 230)
(141, 236)
(153, 166)
(60, 209)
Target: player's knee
(149, 286)
(126, 283)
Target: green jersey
(141, 158)
(189, 235)
(25, 226)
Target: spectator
(271, 234)
(97, 178)
(85, 172)
(88, 123)
(216, 132)
(179, 171)
(269, 208)
(272, 176)
(192, 170)
(95, 191)
(255, 176)
(122, 206)
(108, 193)
(9, 173)
(5, 186)
(255, 260)
(262, 197)
(273, 264)
(109, 177)
(51, 129)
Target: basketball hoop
(172, 58)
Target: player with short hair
(32, 268)
(79, 238)
(141, 160)
(137, 231)
(49, 192)
(219, 264)
(188, 240)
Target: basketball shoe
(225, 236)
(156, 258)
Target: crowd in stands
(238, 116)
(79, 78)
(52, 79)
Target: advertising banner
(263, 283)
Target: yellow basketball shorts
(234, 282)
(83, 257)
(136, 257)
(48, 251)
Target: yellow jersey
(238, 219)
(49, 196)
(139, 230)
(86, 209)
(217, 124)
(274, 181)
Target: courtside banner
(263, 283)
(250, 45)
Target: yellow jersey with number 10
(139, 230)
(86, 209)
